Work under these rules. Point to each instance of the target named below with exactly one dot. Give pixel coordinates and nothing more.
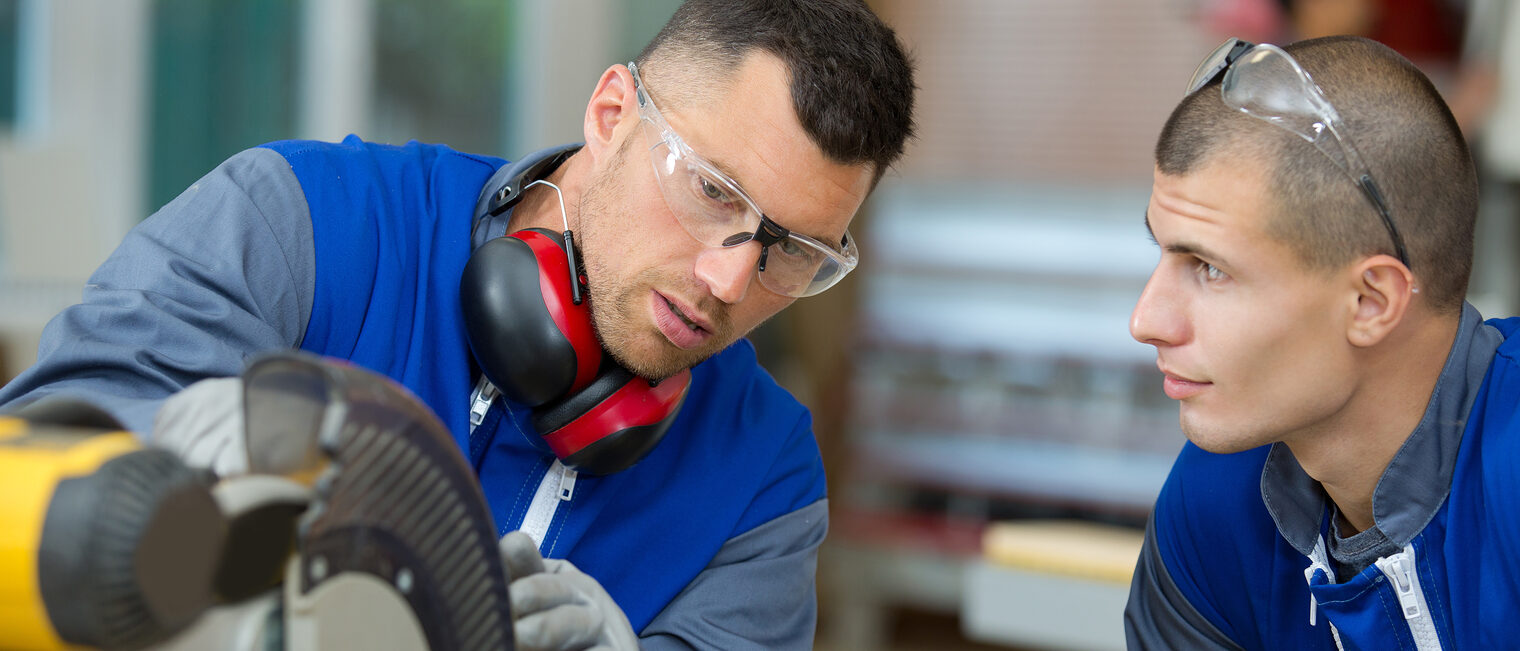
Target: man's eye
(1210, 273)
(713, 191)
(791, 248)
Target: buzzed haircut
(851, 81)
(1406, 136)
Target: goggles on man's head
(1265, 82)
(715, 211)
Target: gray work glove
(202, 424)
(556, 607)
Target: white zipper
(557, 486)
(1320, 560)
(1400, 569)
(480, 402)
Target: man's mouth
(684, 319)
(681, 329)
(1179, 387)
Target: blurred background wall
(993, 437)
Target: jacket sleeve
(757, 593)
(1158, 615)
(222, 272)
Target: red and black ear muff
(614, 422)
(538, 347)
(535, 342)
(531, 340)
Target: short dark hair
(1407, 137)
(852, 83)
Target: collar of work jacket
(1417, 480)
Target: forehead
(1215, 196)
(749, 129)
(1220, 209)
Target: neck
(1348, 455)
(540, 204)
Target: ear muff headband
(505, 188)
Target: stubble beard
(617, 307)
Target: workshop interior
(993, 436)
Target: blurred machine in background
(995, 381)
(1004, 437)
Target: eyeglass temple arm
(1375, 195)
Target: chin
(1220, 446)
(656, 359)
(1217, 438)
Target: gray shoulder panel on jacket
(1158, 616)
(222, 272)
(758, 592)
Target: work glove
(556, 607)
(202, 424)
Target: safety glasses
(1265, 82)
(715, 211)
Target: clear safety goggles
(716, 212)
(1265, 82)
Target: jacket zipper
(1320, 560)
(1400, 570)
(480, 402)
(556, 487)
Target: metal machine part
(360, 525)
(397, 507)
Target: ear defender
(532, 341)
(536, 344)
(612, 423)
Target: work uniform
(1243, 550)
(354, 250)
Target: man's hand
(556, 607)
(203, 425)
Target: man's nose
(1158, 318)
(728, 271)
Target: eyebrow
(729, 172)
(723, 167)
(1184, 248)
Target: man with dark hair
(1350, 476)
(717, 180)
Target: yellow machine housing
(103, 543)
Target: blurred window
(440, 72)
(224, 79)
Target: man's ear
(612, 113)
(1385, 291)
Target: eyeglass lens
(715, 212)
(1265, 82)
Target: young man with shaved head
(716, 184)
(1351, 477)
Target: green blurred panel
(10, 42)
(641, 22)
(225, 75)
(224, 79)
(440, 67)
